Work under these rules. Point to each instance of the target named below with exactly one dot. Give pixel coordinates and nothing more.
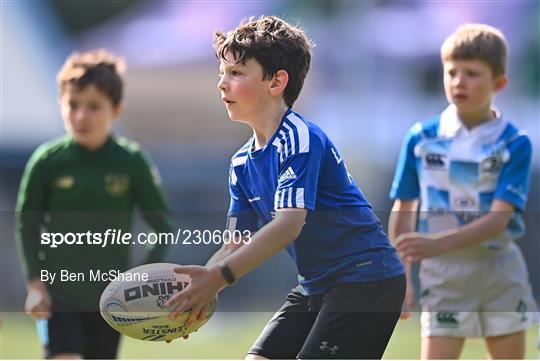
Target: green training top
(66, 188)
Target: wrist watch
(227, 273)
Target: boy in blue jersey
(289, 184)
(469, 170)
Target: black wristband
(227, 273)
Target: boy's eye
(235, 73)
(73, 105)
(472, 73)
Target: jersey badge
(116, 184)
(65, 182)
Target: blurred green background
(225, 336)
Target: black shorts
(75, 331)
(349, 321)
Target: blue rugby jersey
(342, 240)
(457, 173)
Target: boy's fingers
(201, 315)
(187, 270)
(177, 298)
(193, 315)
(183, 307)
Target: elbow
(501, 222)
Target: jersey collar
(451, 126)
(98, 151)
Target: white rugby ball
(136, 308)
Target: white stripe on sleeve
(232, 223)
(300, 198)
(289, 197)
(291, 137)
(303, 132)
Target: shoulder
(430, 127)
(513, 135)
(302, 133)
(516, 141)
(131, 153)
(425, 130)
(49, 150)
(126, 146)
(240, 156)
(128, 150)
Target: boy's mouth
(227, 101)
(82, 131)
(460, 97)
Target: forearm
(402, 220)
(268, 241)
(484, 228)
(226, 250)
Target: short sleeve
(405, 184)
(514, 179)
(298, 177)
(241, 215)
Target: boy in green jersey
(87, 182)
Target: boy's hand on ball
(205, 284)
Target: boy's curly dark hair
(275, 44)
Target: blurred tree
(80, 15)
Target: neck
(95, 146)
(267, 123)
(474, 119)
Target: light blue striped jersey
(342, 240)
(457, 172)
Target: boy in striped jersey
(289, 184)
(468, 171)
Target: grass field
(226, 336)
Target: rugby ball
(134, 303)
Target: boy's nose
(80, 115)
(221, 84)
(459, 80)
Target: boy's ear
(117, 110)
(501, 82)
(279, 82)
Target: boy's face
(470, 85)
(88, 115)
(242, 88)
